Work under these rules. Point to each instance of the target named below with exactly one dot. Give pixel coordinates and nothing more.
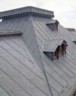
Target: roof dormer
(53, 25)
(55, 48)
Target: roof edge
(29, 9)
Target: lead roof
(24, 69)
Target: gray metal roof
(73, 35)
(24, 69)
(51, 45)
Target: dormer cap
(53, 22)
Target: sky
(64, 10)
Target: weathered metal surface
(22, 61)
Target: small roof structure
(51, 45)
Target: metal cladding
(24, 68)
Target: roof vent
(53, 25)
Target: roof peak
(27, 10)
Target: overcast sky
(64, 10)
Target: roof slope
(60, 72)
(19, 73)
(31, 78)
(24, 69)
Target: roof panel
(3, 92)
(22, 71)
